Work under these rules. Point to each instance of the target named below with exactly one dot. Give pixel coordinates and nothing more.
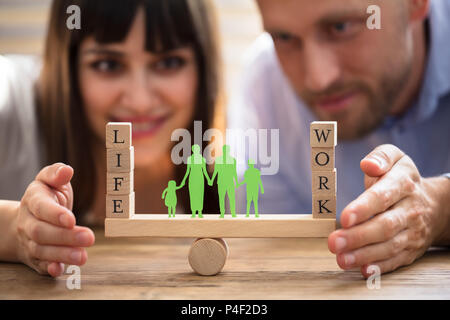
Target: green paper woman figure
(170, 196)
(196, 171)
(227, 180)
(252, 177)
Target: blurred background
(23, 26)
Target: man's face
(342, 70)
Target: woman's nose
(140, 95)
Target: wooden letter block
(118, 135)
(323, 134)
(120, 206)
(322, 159)
(120, 183)
(120, 160)
(324, 206)
(324, 182)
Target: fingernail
(351, 219)
(82, 238)
(64, 220)
(57, 171)
(349, 259)
(75, 256)
(340, 243)
(377, 160)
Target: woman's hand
(45, 226)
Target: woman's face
(123, 82)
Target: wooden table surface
(143, 268)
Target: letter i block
(324, 206)
(118, 135)
(120, 206)
(120, 160)
(323, 134)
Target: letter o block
(322, 159)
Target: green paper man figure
(170, 196)
(227, 180)
(196, 171)
(252, 177)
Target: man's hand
(394, 221)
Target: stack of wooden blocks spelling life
(323, 139)
(120, 171)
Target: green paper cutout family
(227, 183)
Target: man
(227, 180)
(389, 91)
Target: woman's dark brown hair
(170, 24)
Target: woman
(152, 63)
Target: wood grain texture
(120, 206)
(323, 134)
(150, 268)
(323, 182)
(211, 226)
(324, 206)
(119, 183)
(207, 257)
(322, 159)
(118, 135)
(120, 160)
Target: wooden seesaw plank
(211, 226)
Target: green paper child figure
(196, 171)
(170, 196)
(252, 177)
(227, 180)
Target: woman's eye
(106, 66)
(169, 63)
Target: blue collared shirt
(265, 99)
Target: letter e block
(118, 135)
(120, 206)
(323, 134)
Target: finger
(58, 176)
(382, 227)
(47, 234)
(390, 189)
(381, 160)
(44, 207)
(68, 255)
(55, 175)
(404, 258)
(369, 181)
(55, 269)
(371, 253)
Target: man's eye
(341, 29)
(106, 65)
(170, 63)
(284, 37)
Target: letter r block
(323, 134)
(118, 135)
(323, 182)
(120, 206)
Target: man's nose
(140, 94)
(321, 67)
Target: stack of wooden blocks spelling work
(120, 171)
(323, 139)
